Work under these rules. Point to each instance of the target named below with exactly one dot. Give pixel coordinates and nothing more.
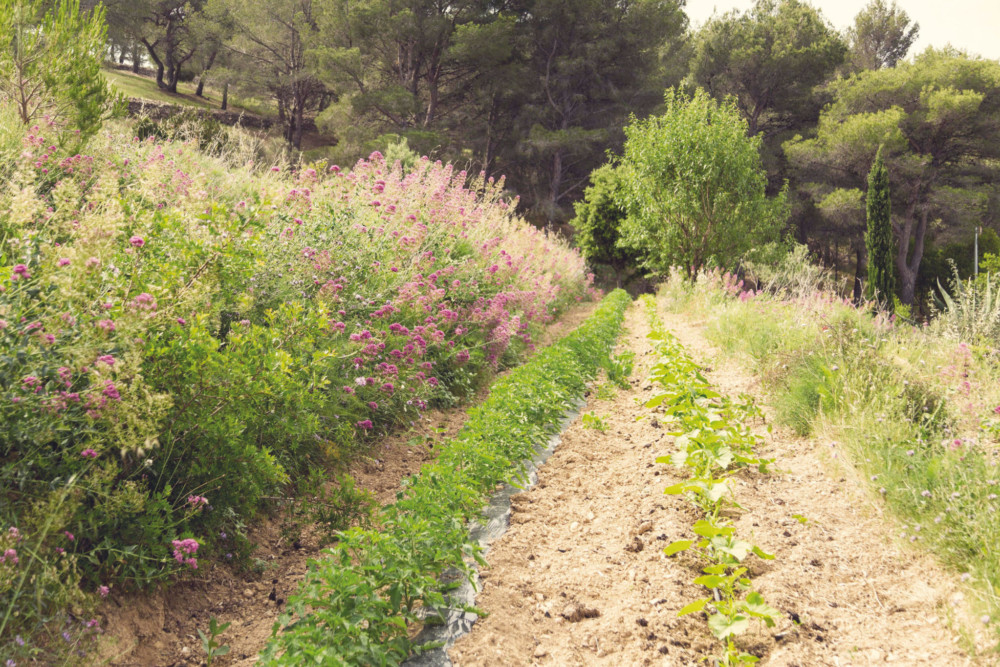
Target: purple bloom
(103, 590)
(137, 241)
(365, 424)
(88, 454)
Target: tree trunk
(299, 119)
(909, 267)
(556, 178)
(858, 274)
(136, 59)
(201, 79)
(225, 96)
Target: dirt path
(580, 578)
(160, 628)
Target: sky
(973, 25)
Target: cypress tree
(878, 237)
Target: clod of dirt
(642, 622)
(577, 612)
(540, 652)
(644, 527)
(635, 546)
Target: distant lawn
(145, 88)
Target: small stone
(540, 652)
(574, 525)
(247, 593)
(590, 516)
(185, 651)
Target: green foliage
(694, 187)
(599, 218)
(878, 238)
(50, 66)
(971, 309)
(911, 408)
(768, 59)
(712, 441)
(354, 606)
(595, 422)
(185, 342)
(209, 642)
(937, 120)
(881, 35)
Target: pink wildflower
(88, 454)
(137, 241)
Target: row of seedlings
(357, 605)
(713, 442)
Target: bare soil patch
(160, 628)
(580, 578)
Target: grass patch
(145, 88)
(914, 411)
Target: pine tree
(878, 238)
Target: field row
(354, 607)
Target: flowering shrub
(180, 336)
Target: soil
(161, 628)
(581, 579)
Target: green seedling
(592, 421)
(210, 644)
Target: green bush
(598, 221)
(694, 187)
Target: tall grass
(913, 409)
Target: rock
(574, 525)
(540, 652)
(644, 527)
(577, 612)
(590, 516)
(185, 651)
(247, 593)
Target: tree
(598, 221)
(50, 65)
(269, 44)
(163, 27)
(769, 59)
(878, 237)
(592, 62)
(938, 118)
(881, 35)
(694, 186)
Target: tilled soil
(160, 628)
(581, 579)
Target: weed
(592, 421)
(210, 644)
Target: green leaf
(762, 554)
(722, 627)
(710, 581)
(694, 607)
(677, 547)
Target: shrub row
(184, 337)
(713, 442)
(354, 606)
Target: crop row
(713, 443)
(354, 606)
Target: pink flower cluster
(184, 551)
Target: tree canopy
(939, 120)
(694, 186)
